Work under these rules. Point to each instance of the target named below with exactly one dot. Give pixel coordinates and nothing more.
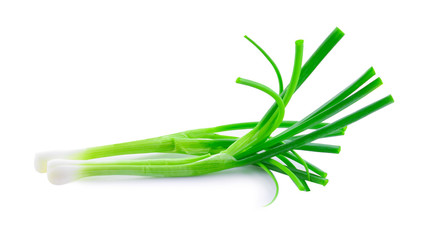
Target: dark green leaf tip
(371, 70)
(325, 182)
(338, 32)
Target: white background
(82, 73)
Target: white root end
(60, 172)
(41, 159)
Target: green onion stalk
(208, 150)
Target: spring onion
(207, 150)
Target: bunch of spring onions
(208, 150)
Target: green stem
(273, 178)
(303, 162)
(319, 147)
(287, 162)
(323, 115)
(327, 113)
(300, 174)
(345, 121)
(173, 143)
(157, 167)
(297, 67)
(251, 125)
(310, 166)
(311, 64)
(176, 143)
(277, 71)
(296, 180)
(333, 38)
(261, 132)
(344, 93)
(145, 161)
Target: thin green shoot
(291, 88)
(285, 161)
(277, 71)
(300, 160)
(303, 163)
(300, 174)
(293, 177)
(288, 92)
(319, 147)
(251, 125)
(274, 179)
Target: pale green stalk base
(64, 171)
